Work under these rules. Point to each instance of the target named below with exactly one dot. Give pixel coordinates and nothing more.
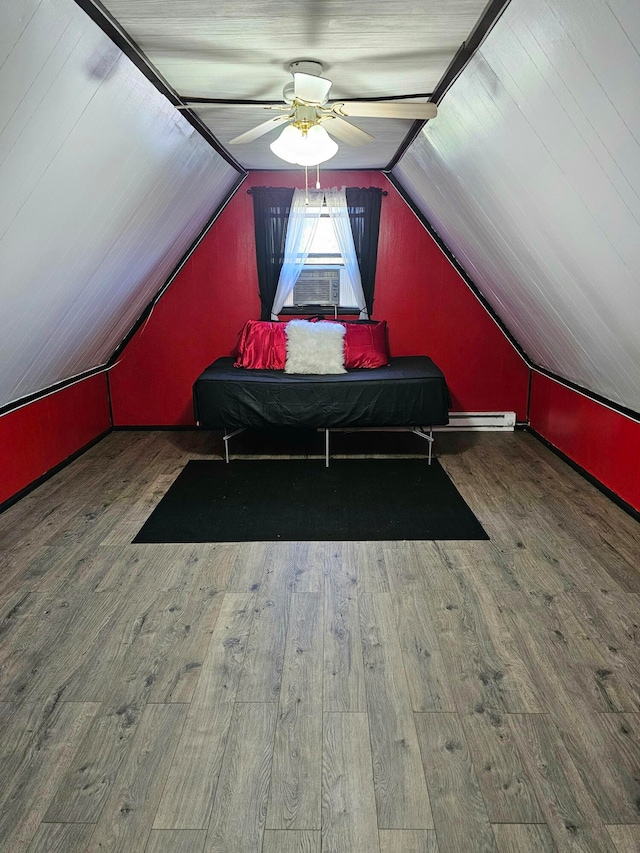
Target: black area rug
(299, 500)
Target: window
(322, 282)
(355, 216)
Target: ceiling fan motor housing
(306, 66)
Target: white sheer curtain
(336, 200)
(301, 229)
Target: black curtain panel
(271, 206)
(364, 215)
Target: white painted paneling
(531, 174)
(225, 124)
(242, 50)
(103, 187)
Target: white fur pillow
(314, 347)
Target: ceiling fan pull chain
(306, 185)
(317, 176)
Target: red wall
(428, 307)
(44, 433)
(603, 442)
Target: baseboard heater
(480, 421)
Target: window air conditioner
(319, 286)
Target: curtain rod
(384, 192)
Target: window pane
(326, 252)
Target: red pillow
(365, 344)
(262, 346)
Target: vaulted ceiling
(233, 50)
(530, 173)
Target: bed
(410, 392)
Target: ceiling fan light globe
(286, 146)
(317, 147)
(310, 149)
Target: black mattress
(410, 391)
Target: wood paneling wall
(531, 174)
(39, 436)
(602, 441)
(429, 309)
(104, 186)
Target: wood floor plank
(296, 775)
(154, 639)
(262, 668)
(37, 765)
(61, 838)
(291, 841)
(460, 817)
(523, 838)
(127, 816)
(81, 794)
(309, 561)
(614, 616)
(563, 661)
(427, 677)
(415, 568)
(479, 563)
(294, 567)
(369, 562)
(573, 678)
(503, 779)
(237, 821)
(68, 570)
(343, 667)
(176, 841)
(544, 621)
(605, 749)
(16, 611)
(176, 678)
(171, 566)
(252, 560)
(401, 791)
(348, 799)
(408, 841)
(486, 672)
(37, 664)
(188, 796)
(625, 838)
(614, 672)
(568, 810)
(614, 626)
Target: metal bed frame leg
(326, 448)
(226, 438)
(420, 431)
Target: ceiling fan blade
(258, 131)
(200, 103)
(346, 132)
(385, 109)
(309, 88)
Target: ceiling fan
(307, 116)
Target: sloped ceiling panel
(242, 49)
(531, 175)
(104, 186)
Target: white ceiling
(242, 50)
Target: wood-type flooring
(299, 697)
